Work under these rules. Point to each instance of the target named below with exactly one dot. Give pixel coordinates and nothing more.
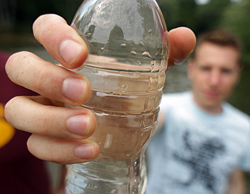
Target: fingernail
(74, 89)
(85, 151)
(70, 50)
(178, 61)
(78, 124)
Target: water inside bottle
(126, 106)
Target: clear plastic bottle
(126, 68)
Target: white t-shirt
(196, 152)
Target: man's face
(213, 74)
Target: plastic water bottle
(126, 68)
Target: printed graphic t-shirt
(20, 172)
(196, 151)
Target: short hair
(220, 37)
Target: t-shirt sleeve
(244, 162)
(164, 105)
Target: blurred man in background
(204, 142)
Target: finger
(60, 40)
(182, 42)
(27, 115)
(64, 151)
(47, 79)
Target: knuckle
(40, 22)
(45, 26)
(30, 145)
(56, 158)
(9, 63)
(13, 63)
(57, 154)
(45, 77)
(36, 147)
(39, 80)
(9, 109)
(50, 122)
(44, 125)
(46, 18)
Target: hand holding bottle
(59, 134)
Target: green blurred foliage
(188, 13)
(209, 16)
(231, 15)
(236, 19)
(179, 13)
(215, 14)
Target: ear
(190, 68)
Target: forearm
(236, 190)
(60, 189)
(236, 183)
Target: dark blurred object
(7, 14)
(19, 15)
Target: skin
(236, 183)
(58, 135)
(213, 72)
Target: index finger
(60, 40)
